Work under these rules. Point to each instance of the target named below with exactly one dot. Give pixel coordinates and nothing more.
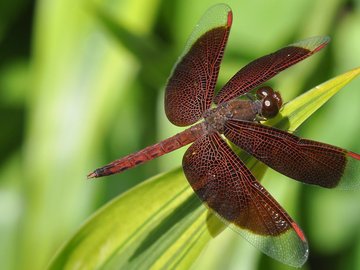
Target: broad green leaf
(154, 224)
(298, 110)
(160, 224)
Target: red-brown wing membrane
(226, 186)
(190, 89)
(268, 66)
(304, 160)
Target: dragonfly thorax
(266, 106)
(216, 118)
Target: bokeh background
(81, 84)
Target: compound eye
(270, 107)
(264, 92)
(278, 99)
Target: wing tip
(313, 44)
(325, 40)
(299, 263)
(229, 18)
(299, 232)
(354, 155)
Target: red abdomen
(179, 140)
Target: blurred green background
(81, 84)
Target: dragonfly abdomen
(168, 145)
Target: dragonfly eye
(271, 101)
(264, 92)
(270, 106)
(278, 99)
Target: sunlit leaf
(298, 110)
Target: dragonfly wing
(304, 160)
(190, 88)
(266, 67)
(222, 181)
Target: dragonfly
(219, 178)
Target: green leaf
(301, 108)
(161, 223)
(155, 224)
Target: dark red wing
(266, 67)
(222, 181)
(190, 89)
(304, 160)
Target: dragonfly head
(271, 101)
